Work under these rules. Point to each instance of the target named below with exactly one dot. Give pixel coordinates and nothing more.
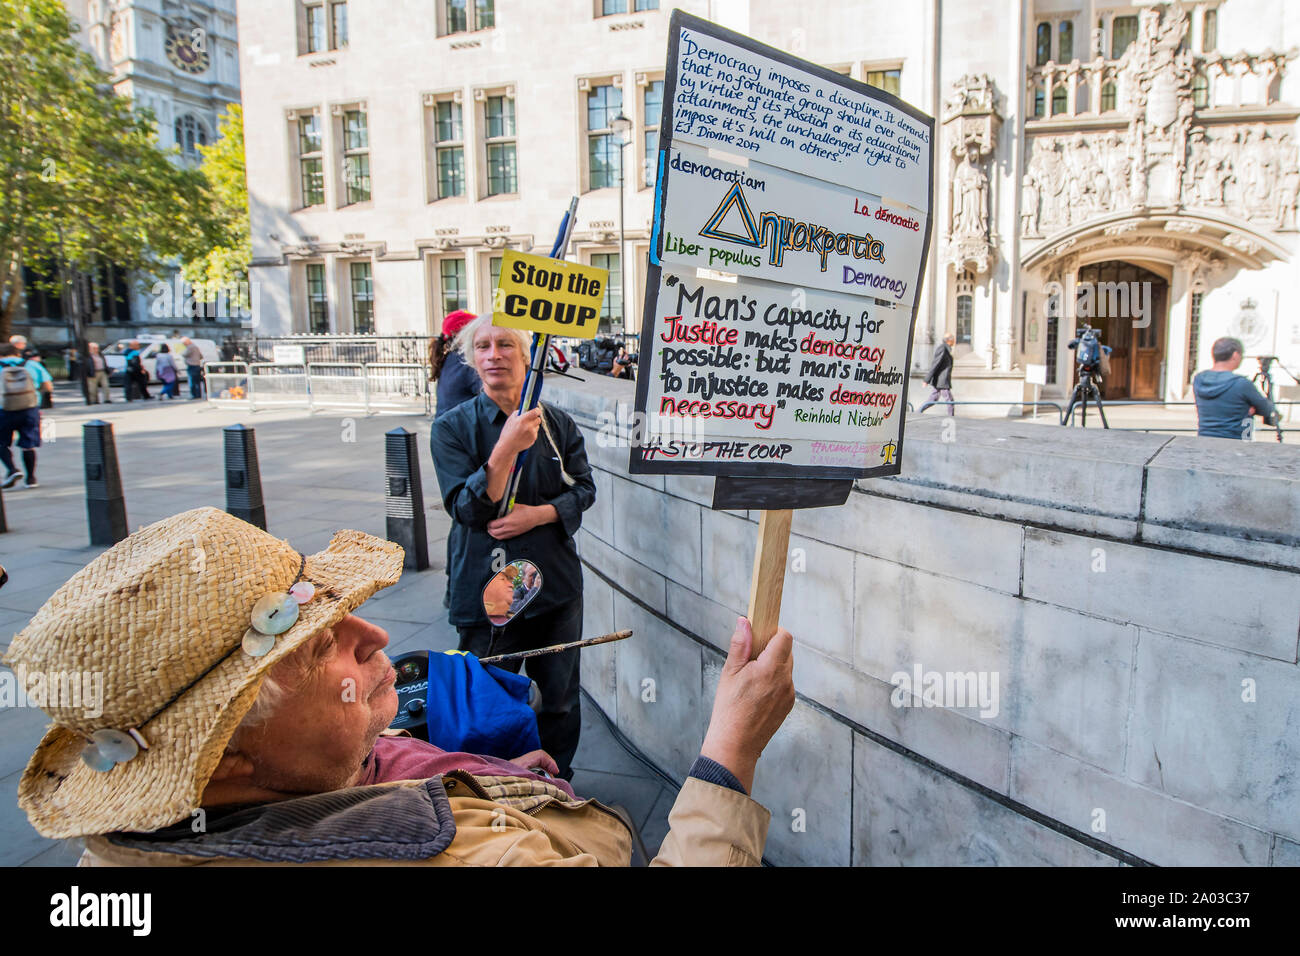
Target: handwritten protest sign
(550, 296)
(811, 195)
(814, 191)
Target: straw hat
(162, 616)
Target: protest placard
(792, 223)
(814, 192)
(550, 296)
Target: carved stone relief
(1160, 160)
(971, 122)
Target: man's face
(500, 361)
(339, 696)
(950, 340)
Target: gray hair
(464, 340)
(1223, 348)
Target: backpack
(18, 387)
(133, 363)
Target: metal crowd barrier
(371, 387)
(227, 383)
(276, 386)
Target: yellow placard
(550, 296)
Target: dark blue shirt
(457, 383)
(461, 442)
(1223, 403)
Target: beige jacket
(458, 820)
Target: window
(1059, 99)
(499, 127)
(356, 156)
(1053, 336)
(652, 103)
(1108, 96)
(311, 165)
(1123, 31)
(604, 148)
(1065, 42)
(467, 16)
(324, 27)
(494, 271)
(610, 7)
(611, 310)
(363, 297)
(190, 135)
(1210, 33)
(454, 294)
(1043, 44)
(339, 25)
(449, 146)
(1194, 335)
(964, 309)
(1200, 91)
(886, 80)
(318, 311)
(1039, 103)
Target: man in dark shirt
(940, 376)
(1226, 402)
(474, 449)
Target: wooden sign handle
(769, 576)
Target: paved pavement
(320, 473)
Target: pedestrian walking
(134, 377)
(21, 381)
(193, 367)
(165, 369)
(97, 374)
(475, 447)
(940, 376)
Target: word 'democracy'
(551, 296)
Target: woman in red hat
(457, 382)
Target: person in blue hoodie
(1226, 403)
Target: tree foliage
(225, 262)
(82, 180)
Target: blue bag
(479, 709)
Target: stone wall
(1128, 590)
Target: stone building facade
(180, 59)
(1129, 164)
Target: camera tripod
(1085, 391)
(1263, 380)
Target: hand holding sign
(753, 699)
(520, 431)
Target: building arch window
(1200, 91)
(1065, 42)
(1108, 96)
(1043, 44)
(190, 135)
(1039, 103)
(1059, 99)
(1210, 31)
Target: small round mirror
(510, 590)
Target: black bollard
(105, 505)
(404, 497)
(243, 480)
(3, 526)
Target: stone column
(1176, 333)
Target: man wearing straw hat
(241, 718)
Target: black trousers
(557, 675)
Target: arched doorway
(1130, 306)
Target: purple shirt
(406, 758)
